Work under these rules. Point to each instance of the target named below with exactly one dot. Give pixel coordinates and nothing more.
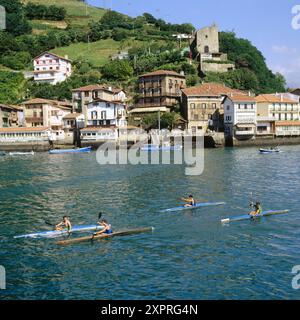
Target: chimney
(66, 57)
(182, 73)
(249, 93)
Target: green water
(190, 255)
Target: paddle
(99, 217)
(49, 223)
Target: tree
(16, 23)
(117, 70)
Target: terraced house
(202, 106)
(47, 113)
(83, 96)
(11, 116)
(278, 114)
(159, 91)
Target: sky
(268, 24)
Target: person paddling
(65, 224)
(190, 201)
(107, 227)
(257, 210)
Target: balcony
(34, 119)
(244, 132)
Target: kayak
(248, 217)
(31, 153)
(63, 151)
(104, 236)
(269, 150)
(153, 147)
(198, 205)
(56, 233)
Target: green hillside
(79, 14)
(96, 53)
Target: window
(206, 49)
(228, 108)
(86, 94)
(196, 117)
(94, 115)
(103, 115)
(204, 105)
(214, 105)
(193, 106)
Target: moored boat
(154, 147)
(64, 151)
(2, 153)
(30, 153)
(270, 150)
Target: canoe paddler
(65, 224)
(107, 229)
(257, 210)
(190, 201)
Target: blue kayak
(56, 233)
(197, 206)
(153, 147)
(248, 217)
(63, 151)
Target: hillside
(79, 14)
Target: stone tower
(208, 40)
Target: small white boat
(271, 150)
(31, 153)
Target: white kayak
(197, 206)
(249, 217)
(56, 233)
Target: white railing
(288, 133)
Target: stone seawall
(267, 141)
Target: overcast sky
(266, 23)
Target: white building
(240, 116)
(24, 135)
(106, 113)
(51, 68)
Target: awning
(145, 110)
(245, 125)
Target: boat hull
(197, 206)
(65, 151)
(56, 233)
(105, 236)
(269, 151)
(248, 217)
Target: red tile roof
(162, 73)
(48, 101)
(287, 123)
(273, 98)
(241, 98)
(22, 129)
(72, 115)
(211, 89)
(53, 54)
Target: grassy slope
(97, 53)
(78, 13)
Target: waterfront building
(11, 116)
(159, 91)
(47, 113)
(202, 106)
(205, 50)
(21, 135)
(82, 96)
(99, 134)
(51, 68)
(239, 117)
(274, 109)
(106, 113)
